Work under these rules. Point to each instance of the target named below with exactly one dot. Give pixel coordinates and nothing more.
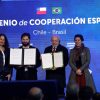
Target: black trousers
(30, 74)
(60, 82)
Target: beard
(25, 44)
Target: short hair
(72, 91)
(80, 36)
(56, 37)
(25, 34)
(35, 93)
(96, 96)
(85, 93)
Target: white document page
(47, 62)
(30, 56)
(15, 56)
(58, 59)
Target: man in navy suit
(59, 73)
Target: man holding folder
(28, 71)
(59, 72)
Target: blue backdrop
(76, 16)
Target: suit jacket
(31, 73)
(59, 72)
(6, 69)
(85, 59)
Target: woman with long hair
(5, 69)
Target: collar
(25, 47)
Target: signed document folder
(52, 60)
(20, 56)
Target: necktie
(53, 49)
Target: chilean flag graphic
(41, 10)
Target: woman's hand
(79, 72)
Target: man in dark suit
(27, 72)
(59, 73)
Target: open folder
(20, 56)
(52, 60)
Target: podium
(21, 88)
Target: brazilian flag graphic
(56, 10)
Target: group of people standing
(79, 61)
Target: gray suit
(85, 59)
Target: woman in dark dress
(5, 69)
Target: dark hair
(6, 46)
(80, 36)
(86, 93)
(25, 34)
(72, 91)
(34, 97)
(96, 96)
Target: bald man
(35, 93)
(59, 73)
